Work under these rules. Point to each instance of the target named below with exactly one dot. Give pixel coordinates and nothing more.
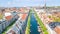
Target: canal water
(33, 27)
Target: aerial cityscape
(29, 17)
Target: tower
(45, 5)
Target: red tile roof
(57, 30)
(8, 17)
(21, 10)
(24, 16)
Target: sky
(21, 3)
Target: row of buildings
(20, 25)
(7, 19)
(49, 20)
(19, 15)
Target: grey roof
(54, 24)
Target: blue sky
(21, 3)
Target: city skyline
(21, 3)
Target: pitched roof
(24, 16)
(57, 30)
(8, 17)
